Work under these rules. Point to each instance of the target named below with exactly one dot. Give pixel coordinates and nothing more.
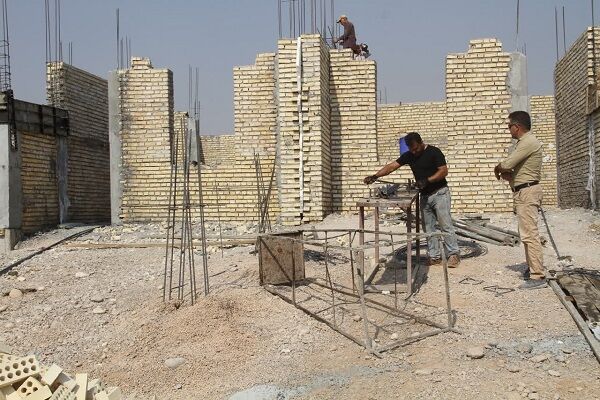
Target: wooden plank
(587, 297)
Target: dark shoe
(526, 274)
(453, 261)
(435, 261)
(534, 284)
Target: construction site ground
(100, 311)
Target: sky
(409, 40)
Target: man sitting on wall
(428, 165)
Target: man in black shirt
(428, 165)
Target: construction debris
(485, 232)
(24, 378)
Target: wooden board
(584, 290)
(281, 259)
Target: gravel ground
(100, 311)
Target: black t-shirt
(425, 165)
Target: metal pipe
(446, 284)
(43, 249)
(499, 229)
(482, 231)
(300, 123)
(475, 236)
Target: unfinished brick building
(325, 134)
(576, 78)
(55, 158)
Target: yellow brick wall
(354, 143)
(572, 75)
(146, 97)
(85, 97)
(38, 179)
(544, 128)
(396, 120)
(228, 170)
(478, 102)
(316, 131)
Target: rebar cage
(322, 272)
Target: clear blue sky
(408, 39)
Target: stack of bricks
(316, 131)
(396, 120)
(85, 97)
(573, 77)
(146, 105)
(543, 127)
(24, 378)
(354, 143)
(478, 100)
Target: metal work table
(404, 200)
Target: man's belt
(524, 185)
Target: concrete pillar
(11, 204)
(517, 82)
(114, 141)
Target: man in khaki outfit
(523, 169)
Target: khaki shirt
(525, 160)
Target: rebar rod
(328, 277)
(202, 225)
(219, 219)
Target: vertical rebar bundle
(263, 195)
(178, 262)
(295, 20)
(182, 260)
(5, 81)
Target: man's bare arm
(385, 170)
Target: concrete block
(4, 349)
(82, 382)
(43, 393)
(67, 381)
(29, 386)
(7, 393)
(112, 393)
(13, 395)
(95, 386)
(51, 375)
(63, 393)
(12, 371)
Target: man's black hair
(520, 117)
(412, 137)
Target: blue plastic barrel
(403, 145)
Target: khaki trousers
(527, 204)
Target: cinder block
(43, 393)
(113, 393)
(29, 386)
(51, 375)
(5, 349)
(67, 381)
(94, 386)
(63, 393)
(16, 370)
(82, 382)
(7, 393)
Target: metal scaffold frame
(340, 289)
